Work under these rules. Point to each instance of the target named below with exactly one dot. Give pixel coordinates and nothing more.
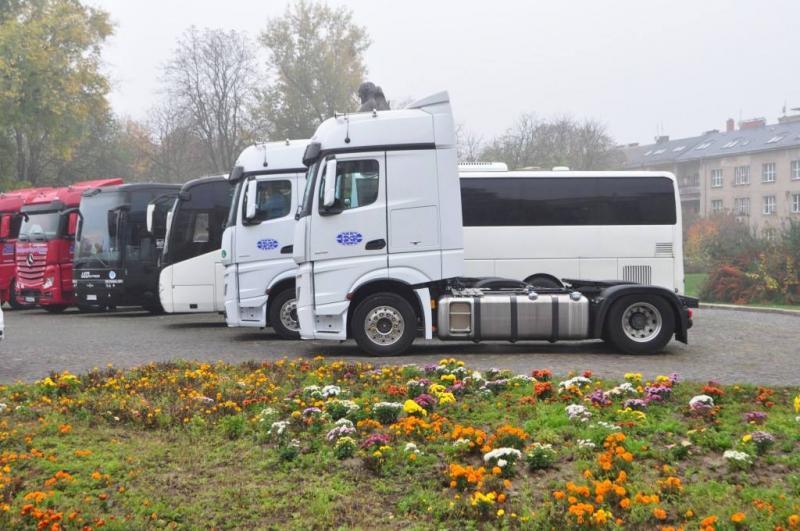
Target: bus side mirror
(250, 199)
(151, 210)
(72, 223)
(5, 227)
(329, 193)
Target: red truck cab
(10, 220)
(46, 244)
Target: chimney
(730, 125)
(753, 123)
(662, 139)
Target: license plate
(91, 297)
(30, 299)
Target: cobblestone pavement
(728, 346)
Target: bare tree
(212, 80)
(175, 152)
(470, 144)
(563, 141)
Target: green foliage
(316, 55)
(51, 86)
(233, 427)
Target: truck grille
(33, 271)
(641, 274)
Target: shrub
(232, 426)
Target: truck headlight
(48, 282)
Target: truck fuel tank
(513, 315)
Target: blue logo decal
(8, 248)
(349, 238)
(267, 245)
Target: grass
(189, 446)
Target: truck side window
(356, 183)
(273, 200)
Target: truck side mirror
(250, 199)
(329, 193)
(5, 227)
(151, 210)
(72, 223)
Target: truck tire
(283, 315)
(55, 308)
(384, 324)
(12, 296)
(640, 324)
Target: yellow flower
(412, 408)
(500, 513)
(446, 398)
(797, 404)
(747, 438)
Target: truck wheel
(55, 308)
(640, 324)
(12, 296)
(283, 315)
(384, 324)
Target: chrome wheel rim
(288, 315)
(641, 322)
(384, 325)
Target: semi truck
(46, 245)
(379, 246)
(10, 221)
(257, 242)
(191, 277)
(116, 258)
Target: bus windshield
(98, 239)
(40, 226)
(197, 223)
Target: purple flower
(376, 439)
(637, 404)
(309, 411)
(756, 417)
(674, 378)
(657, 393)
(340, 431)
(431, 369)
(762, 437)
(425, 401)
(457, 388)
(599, 398)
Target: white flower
(578, 412)
(586, 443)
(411, 447)
(310, 389)
(521, 378)
(3, 407)
(608, 425)
(277, 428)
(344, 422)
(388, 405)
(734, 455)
(701, 401)
(331, 390)
(623, 389)
(502, 454)
(577, 381)
(461, 442)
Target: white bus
(191, 278)
(544, 226)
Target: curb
(740, 308)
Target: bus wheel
(155, 308)
(55, 308)
(384, 324)
(283, 315)
(640, 324)
(12, 296)
(543, 281)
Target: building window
(796, 203)
(741, 205)
(741, 175)
(768, 172)
(716, 178)
(796, 169)
(716, 206)
(769, 205)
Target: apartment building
(752, 171)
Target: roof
(132, 187)
(14, 199)
(716, 145)
(68, 196)
(201, 180)
(273, 156)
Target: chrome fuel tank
(513, 316)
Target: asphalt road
(728, 346)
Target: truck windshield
(40, 226)
(96, 246)
(304, 209)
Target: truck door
(264, 244)
(348, 241)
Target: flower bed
(313, 443)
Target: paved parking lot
(724, 345)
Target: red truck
(46, 244)
(10, 220)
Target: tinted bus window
(199, 222)
(551, 201)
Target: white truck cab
(379, 247)
(257, 244)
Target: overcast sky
(679, 66)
